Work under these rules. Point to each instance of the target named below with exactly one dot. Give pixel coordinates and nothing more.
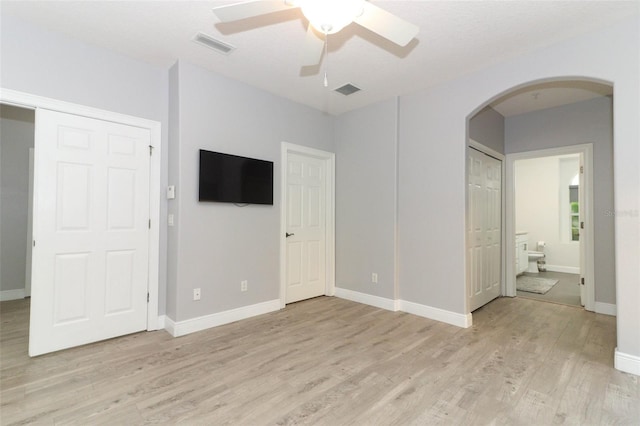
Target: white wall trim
(453, 318)
(161, 322)
(436, 314)
(587, 151)
(606, 309)
(29, 101)
(627, 363)
(330, 214)
(483, 148)
(181, 328)
(170, 326)
(12, 294)
(565, 269)
(367, 299)
(26, 100)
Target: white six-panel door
(484, 223)
(305, 225)
(91, 231)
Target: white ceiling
(456, 38)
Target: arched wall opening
(433, 136)
(546, 120)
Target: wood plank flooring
(328, 361)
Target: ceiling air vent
(347, 89)
(212, 43)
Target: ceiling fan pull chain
(326, 59)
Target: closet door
(90, 230)
(484, 223)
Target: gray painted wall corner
(366, 154)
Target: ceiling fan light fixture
(330, 16)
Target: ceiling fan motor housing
(330, 16)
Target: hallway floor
(565, 292)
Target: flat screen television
(229, 178)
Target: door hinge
(147, 297)
(34, 243)
(581, 225)
(149, 223)
(581, 169)
(582, 280)
(150, 150)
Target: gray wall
(219, 244)
(52, 65)
(172, 205)
(366, 155)
(583, 122)
(16, 137)
(433, 135)
(487, 127)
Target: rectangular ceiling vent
(212, 43)
(347, 89)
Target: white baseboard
(367, 299)
(161, 322)
(627, 363)
(170, 326)
(181, 328)
(605, 308)
(565, 269)
(12, 294)
(453, 318)
(425, 311)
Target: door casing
(29, 101)
(329, 159)
(586, 205)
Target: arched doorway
(544, 118)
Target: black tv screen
(232, 179)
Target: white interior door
(484, 219)
(91, 231)
(305, 227)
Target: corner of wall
(173, 210)
(627, 363)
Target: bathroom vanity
(522, 252)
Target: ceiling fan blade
(312, 50)
(387, 24)
(249, 9)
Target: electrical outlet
(243, 285)
(196, 294)
(374, 277)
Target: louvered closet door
(91, 232)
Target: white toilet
(534, 256)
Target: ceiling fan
(326, 17)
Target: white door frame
(29, 253)
(330, 160)
(587, 204)
(503, 272)
(29, 101)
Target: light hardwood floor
(329, 361)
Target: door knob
(288, 234)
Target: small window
(574, 212)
